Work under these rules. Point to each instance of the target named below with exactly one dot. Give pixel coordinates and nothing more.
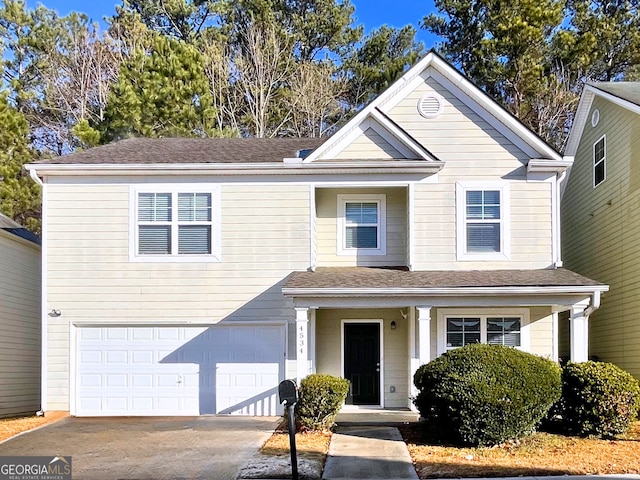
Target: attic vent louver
(595, 117)
(430, 105)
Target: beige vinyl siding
(265, 235)
(20, 326)
(601, 232)
(369, 145)
(435, 228)
(471, 147)
(327, 228)
(395, 350)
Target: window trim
(483, 314)
(174, 190)
(461, 221)
(343, 199)
(603, 160)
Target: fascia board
(402, 136)
(452, 291)
(546, 165)
(579, 121)
(394, 89)
(323, 168)
(492, 107)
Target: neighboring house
(601, 214)
(20, 319)
(192, 275)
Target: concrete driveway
(171, 448)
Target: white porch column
(579, 333)
(424, 334)
(302, 349)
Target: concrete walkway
(368, 452)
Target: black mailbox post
(288, 393)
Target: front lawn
(540, 454)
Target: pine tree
(19, 194)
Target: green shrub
(486, 394)
(320, 400)
(598, 399)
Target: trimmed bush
(320, 400)
(598, 399)
(486, 394)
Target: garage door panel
(179, 370)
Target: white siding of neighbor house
(472, 151)
(20, 349)
(327, 228)
(265, 236)
(396, 354)
(601, 232)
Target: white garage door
(179, 370)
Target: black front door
(362, 362)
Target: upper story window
(175, 225)
(482, 221)
(599, 161)
(361, 224)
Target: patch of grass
(540, 454)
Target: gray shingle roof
(373, 278)
(629, 91)
(18, 230)
(190, 150)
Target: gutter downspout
(595, 304)
(557, 261)
(44, 337)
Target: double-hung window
(599, 161)
(175, 225)
(460, 328)
(482, 223)
(361, 224)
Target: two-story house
(190, 276)
(601, 214)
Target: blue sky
(370, 13)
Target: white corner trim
(505, 221)
(411, 221)
(44, 242)
(216, 223)
(313, 229)
(342, 200)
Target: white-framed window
(362, 224)
(482, 220)
(600, 161)
(175, 223)
(457, 328)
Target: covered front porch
(376, 326)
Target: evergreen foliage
(320, 399)
(486, 394)
(598, 399)
(19, 194)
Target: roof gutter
(34, 174)
(279, 168)
(595, 304)
(594, 290)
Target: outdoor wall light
(393, 324)
(55, 313)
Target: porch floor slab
(375, 417)
(368, 452)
